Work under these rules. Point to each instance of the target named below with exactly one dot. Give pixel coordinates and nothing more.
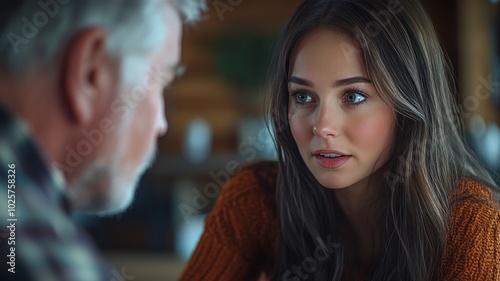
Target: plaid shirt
(36, 231)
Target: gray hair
(34, 32)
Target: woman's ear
(84, 74)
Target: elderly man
(81, 107)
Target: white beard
(105, 188)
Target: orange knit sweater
(239, 238)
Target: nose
(327, 121)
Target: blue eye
(300, 97)
(354, 97)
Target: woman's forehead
(326, 50)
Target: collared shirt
(38, 239)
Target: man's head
(88, 77)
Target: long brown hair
(411, 73)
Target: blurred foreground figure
(81, 107)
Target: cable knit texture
(240, 234)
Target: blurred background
(215, 114)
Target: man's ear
(84, 71)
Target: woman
(374, 180)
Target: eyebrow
(338, 83)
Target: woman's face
(343, 129)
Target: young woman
(374, 180)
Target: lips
(331, 159)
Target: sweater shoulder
(472, 202)
(471, 196)
(244, 217)
(473, 243)
(471, 188)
